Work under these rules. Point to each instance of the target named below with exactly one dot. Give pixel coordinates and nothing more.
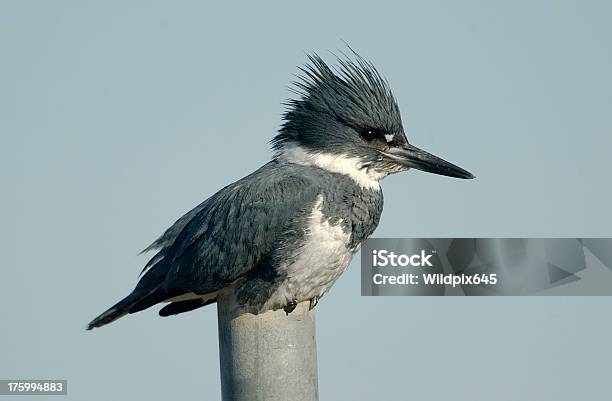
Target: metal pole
(270, 356)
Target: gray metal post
(270, 356)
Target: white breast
(318, 262)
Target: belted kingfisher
(285, 233)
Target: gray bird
(285, 233)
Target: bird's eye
(369, 134)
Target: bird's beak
(411, 156)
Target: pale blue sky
(117, 117)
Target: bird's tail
(134, 302)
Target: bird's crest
(351, 93)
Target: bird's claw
(290, 307)
(313, 302)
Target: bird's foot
(290, 307)
(313, 302)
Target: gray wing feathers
(226, 236)
(171, 233)
(234, 231)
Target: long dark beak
(411, 156)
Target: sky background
(118, 117)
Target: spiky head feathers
(339, 107)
